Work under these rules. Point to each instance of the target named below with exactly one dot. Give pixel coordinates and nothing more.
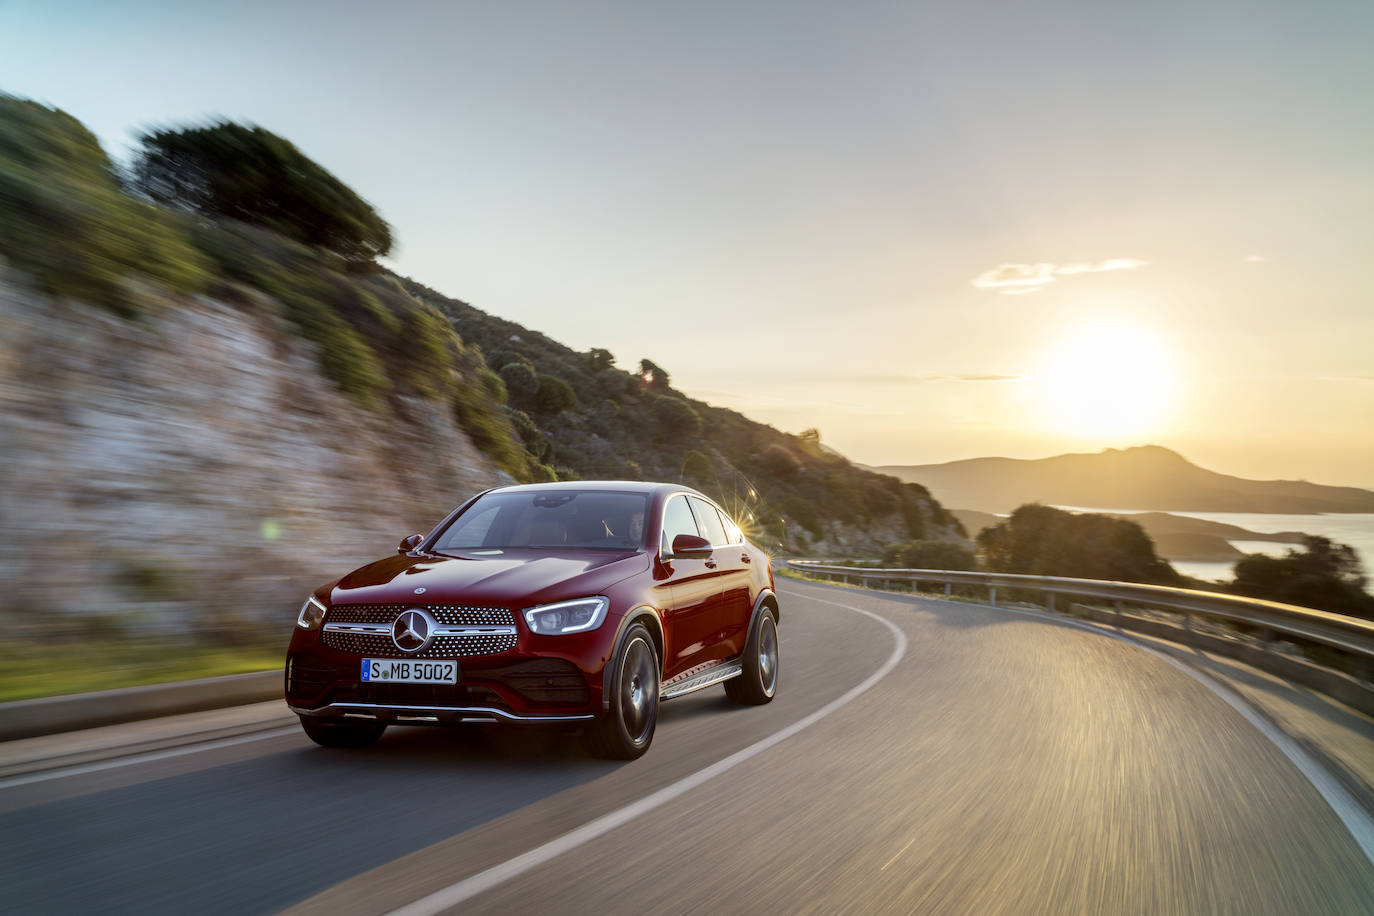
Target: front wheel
(331, 734)
(759, 680)
(623, 731)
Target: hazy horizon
(934, 233)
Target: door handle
(744, 558)
(710, 564)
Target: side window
(677, 519)
(732, 531)
(708, 520)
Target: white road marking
(898, 855)
(1352, 814)
(454, 894)
(148, 757)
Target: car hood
(515, 579)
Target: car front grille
(380, 646)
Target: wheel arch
(647, 615)
(767, 599)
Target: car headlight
(576, 616)
(311, 615)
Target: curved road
(996, 763)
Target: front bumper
(540, 679)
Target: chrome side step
(707, 678)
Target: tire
(758, 682)
(625, 730)
(329, 734)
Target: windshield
(553, 519)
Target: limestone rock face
(193, 472)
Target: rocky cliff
(193, 471)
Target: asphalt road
(997, 763)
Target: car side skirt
(716, 674)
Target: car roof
(614, 486)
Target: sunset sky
(934, 231)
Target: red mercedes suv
(583, 602)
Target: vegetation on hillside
(244, 215)
(241, 213)
(65, 220)
(591, 419)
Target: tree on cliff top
(253, 175)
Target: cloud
(1256, 258)
(1019, 279)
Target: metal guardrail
(1349, 634)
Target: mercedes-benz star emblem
(412, 631)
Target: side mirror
(689, 546)
(409, 543)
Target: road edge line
(469, 887)
(1358, 822)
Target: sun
(1107, 380)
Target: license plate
(409, 671)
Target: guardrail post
(949, 589)
(1116, 607)
(1049, 601)
(992, 595)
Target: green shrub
(520, 381)
(491, 429)
(430, 346)
(534, 440)
(553, 395)
(378, 312)
(676, 417)
(344, 357)
(779, 461)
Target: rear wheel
(759, 680)
(624, 731)
(339, 734)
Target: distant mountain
(1145, 477)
